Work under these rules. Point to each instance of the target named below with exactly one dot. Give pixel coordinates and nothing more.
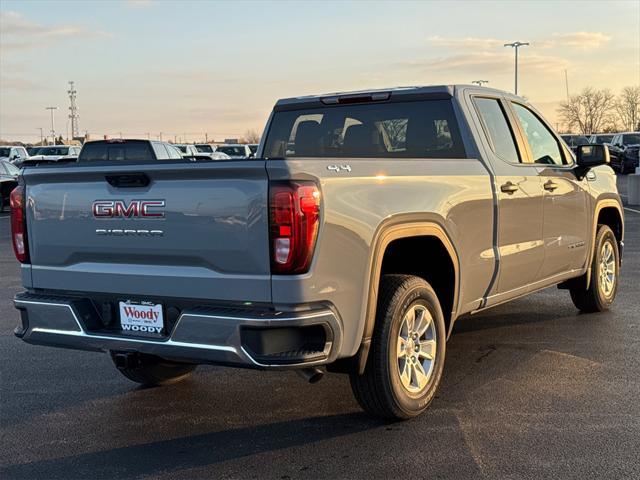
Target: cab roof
(381, 94)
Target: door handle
(550, 186)
(509, 188)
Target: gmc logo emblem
(134, 209)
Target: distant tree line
(600, 111)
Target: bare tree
(252, 136)
(628, 108)
(589, 111)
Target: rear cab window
(409, 129)
(125, 151)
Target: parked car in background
(253, 147)
(54, 153)
(186, 150)
(624, 150)
(33, 150)
(601, 138)
(573, 141)
(14, 154)
(123, 150)
(8, 181)
(205, 148)
(235, 151)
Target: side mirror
(589, 156)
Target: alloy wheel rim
(416, 348)
(607, 273)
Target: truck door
(566, 222)
(520, 202)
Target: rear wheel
(150, 370)
(406, 360)
(604, 275)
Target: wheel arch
(608, 212)
(410, 230)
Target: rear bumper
(200, 335)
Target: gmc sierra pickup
(366, 225)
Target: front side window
(545, 148)
(416, 129)
(497, 129)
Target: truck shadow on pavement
(193, 451)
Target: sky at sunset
(218, 67)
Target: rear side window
(130, 151)
(497, 129)
(419, 129)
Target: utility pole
(516, 46)
(206, 137)
(566, 83)
(41, 136)
(73, 111)
(53, 125)
(479, 82)
(160, 136)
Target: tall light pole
(516, 45)
(53, 125)
(479, 82)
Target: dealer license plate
(141, 317)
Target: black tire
(595, 299)
(379, 390)
(150, 370)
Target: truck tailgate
(206, 236)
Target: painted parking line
(631, 210)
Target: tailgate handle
(128, 180)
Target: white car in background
(54, 153)
(15, 154)
(210, 150)
(235, 151)
(186, 150)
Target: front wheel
(150, 370)
(407, 354)
(604, 275)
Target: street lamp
(53, 127)
(516, 45)
(479, 82)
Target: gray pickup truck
(366, 225)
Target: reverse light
(18, 224)
(294, 218)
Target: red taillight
(18, 225)
(294, 219)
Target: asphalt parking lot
(531, 389)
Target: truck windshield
(418, 129)
(632, 139)
(204, 148)
(4, 152)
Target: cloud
(464, 43)
(579, 40)
(486, 62)
(19, 33)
